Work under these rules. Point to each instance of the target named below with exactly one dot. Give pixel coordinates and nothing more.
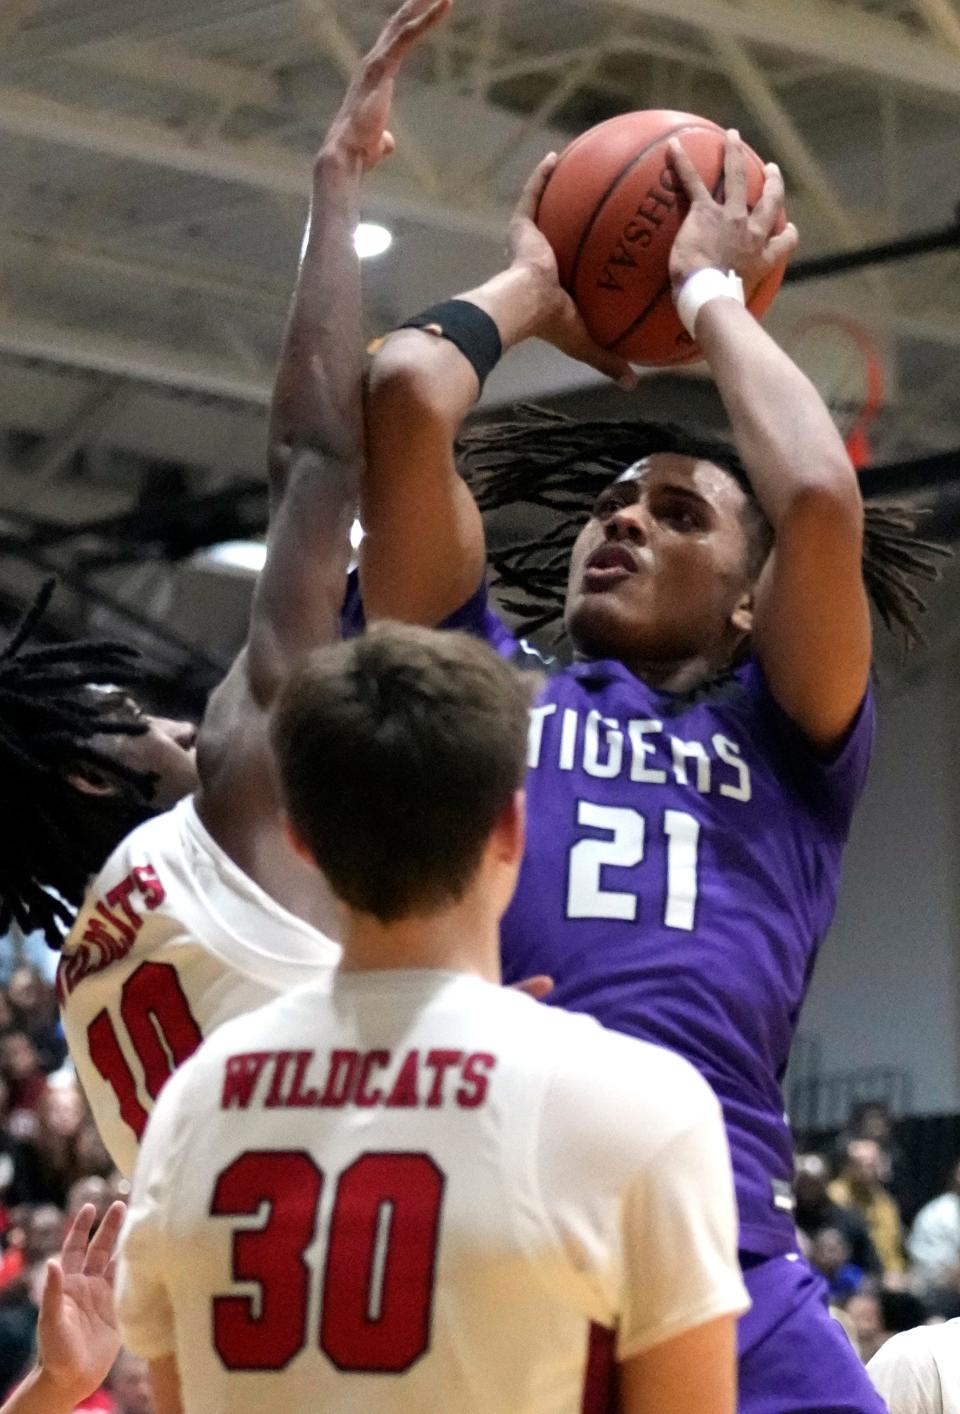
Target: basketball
(611, 210)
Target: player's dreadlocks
(545, 459)
(55, 836)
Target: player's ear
(510, 829)
(92, 783)
(296, 841)
(742, 616)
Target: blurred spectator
(816, 1210)
(37, 1233)
(866, 1317)
(91, 1155)
(830, 1254)
(94, 1190)
(47, 1163)
(34, 1006)
(918, 1371)
(934, 1241)
(24, 1075)
(860, 1186)
(873, 1119)
(130, 1385)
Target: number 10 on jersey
(624, 849)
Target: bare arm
(424, 554)
(315, 436)
(165, 1379)
(695, 1371)
(812, 623)
(315, 455)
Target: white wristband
(701, 287)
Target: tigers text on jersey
(173, 938)
(414, 1191)
(681, 869)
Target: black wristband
(468, 328)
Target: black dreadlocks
(55, 836)
(545, 459)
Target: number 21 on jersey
(624, 848)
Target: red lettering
(97, 933)
(440, 1062)
(341, 1079)
(404, 1095)
(240, 1077)
(281, 1059)
(364, 1098)
(120, 897)
(127, 934)
(476, 1074)
(148, 882)
(300, 1099)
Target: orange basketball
(611, 210)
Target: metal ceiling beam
(532, 64)
(128, 359)
(846, 38)
(239, 289)
(578, 73)
(56, 453)
(942, 18)
(791, 147)
(172, 66)
(263, 166)
(485, 47)
(12, 17)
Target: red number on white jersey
(161, 1028)
(379, 1264)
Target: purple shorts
(794, 1358)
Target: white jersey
(173, 939)
(416, 1191)
(918, 1372)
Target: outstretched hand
(560, 322)
(360, 128)
(725, 234)
(77, 1335)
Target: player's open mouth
(608, 565)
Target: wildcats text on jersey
(368, 1079)
(639, 750)
(111, 927)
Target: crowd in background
(888, 1269)
(51, 1162)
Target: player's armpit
(696, 1370)
(165, 1378)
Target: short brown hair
(398, 752)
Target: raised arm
(424, 553)
(811, 620)
(316, 420)
(315, 456)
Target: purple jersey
(682, 867)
